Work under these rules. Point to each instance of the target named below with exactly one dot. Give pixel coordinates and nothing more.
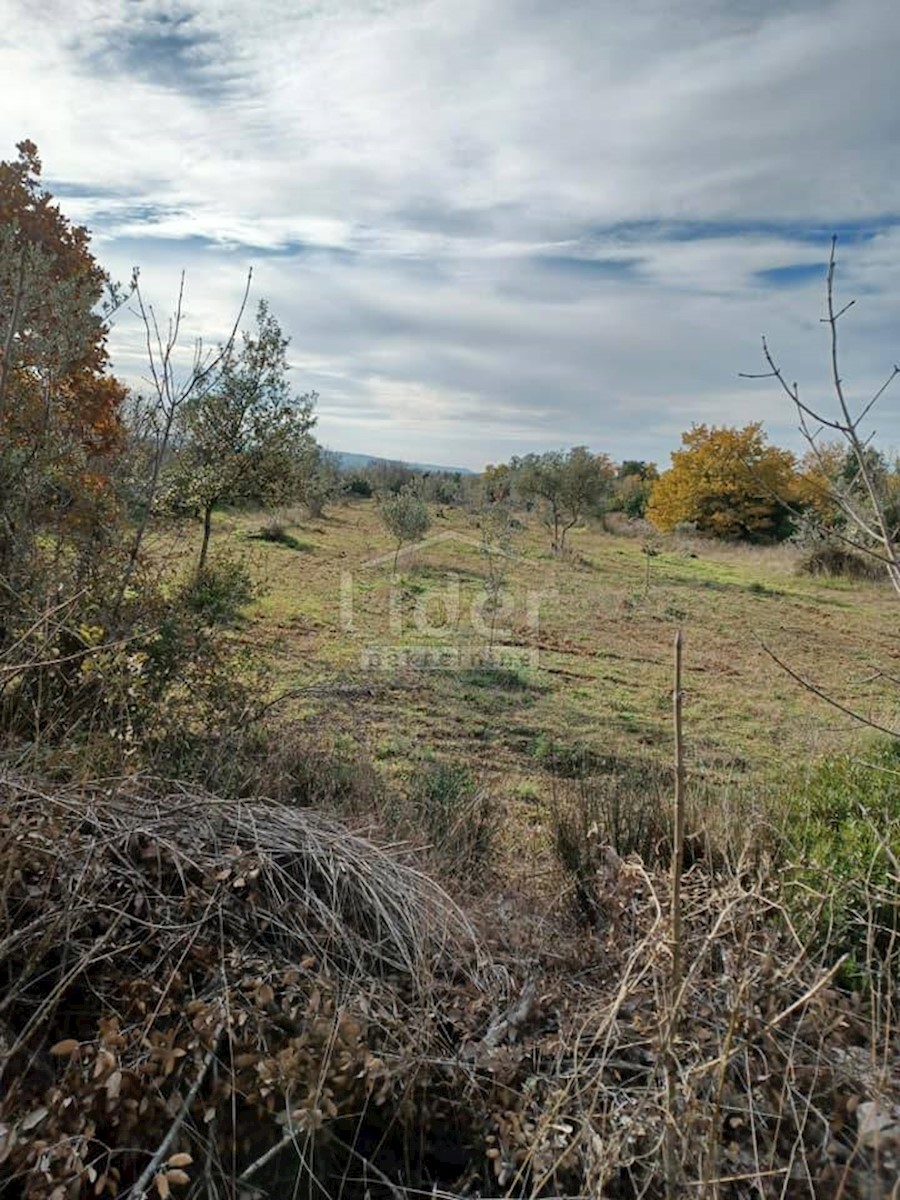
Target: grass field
(438, 961)
(587, 684)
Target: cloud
(489, 225)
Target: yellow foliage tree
(818, 473)
(728, 482)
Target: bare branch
(817, 691)
(6, 364)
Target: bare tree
(170, 393)
(860, 497)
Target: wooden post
(671, 1027)
(678, 831)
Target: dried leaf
(105, 1062)
(180, 1160)
(177, 1176)
(64, 1048)
(162, 1185)
(34, 1118)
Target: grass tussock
(160, 951)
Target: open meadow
(403, 665)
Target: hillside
(350, 462)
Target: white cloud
(487, 222)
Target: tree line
(724, 481)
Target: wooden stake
(678, 831)
(671, 1154)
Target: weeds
(457, 815)
(627, 811)
(842, 830)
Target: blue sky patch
(793, 275)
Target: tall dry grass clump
(191, 977)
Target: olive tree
(405, 517)
(246, 439)
(566, 485)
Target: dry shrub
(199, 993)
(148, 942)
(834, 561)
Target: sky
(490, 227)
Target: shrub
(358, 485)
(842, 830)
(219, 591)
(456, 813)
(273, 530)
(839, 562)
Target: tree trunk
(207, 530)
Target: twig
(139, 1191)
(817, 691)
(675, 981)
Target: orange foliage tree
(53, 347)
(60, 408)
(728, 482)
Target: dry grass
(204, 999)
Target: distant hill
(350, 462)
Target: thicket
(113, 658)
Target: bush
(457, 814)
(273, 530)
(842, 831)
(358, 485)
(839, 562)
(219, 591)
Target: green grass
(599, 689)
